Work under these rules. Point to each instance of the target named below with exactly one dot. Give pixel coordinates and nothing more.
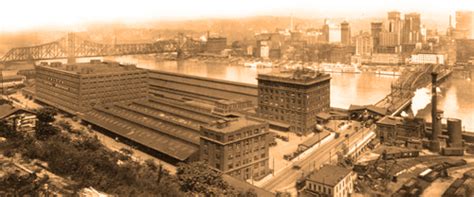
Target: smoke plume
(421, 99)
(404, 114)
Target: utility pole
(273, 171)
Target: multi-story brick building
(236, 147)
(78, 87)
(216, 44)
(293, 97)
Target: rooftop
(7, 110)
(329, 175)
(92, 67)
(315, 139)
(372, 108)
(147, 137)
(298, 76)
(390, 120)
(228, 126)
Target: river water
(456, 98)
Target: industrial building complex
(258, 109)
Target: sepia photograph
(237, 98)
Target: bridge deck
(395, 104)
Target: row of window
(320, 188)
(230, 166)
(246, 172)
(233, 136)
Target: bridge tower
(71, 41)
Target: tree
(44, 128)
(6, 130)
(46, 114)
(198, 178)
(248, 193)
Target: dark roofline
(14, 110)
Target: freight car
(400, 154)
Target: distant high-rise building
(376, 29)
(364, 44)
(464, 25)
(394, 16)
(388, 39)
(331, 32)
(216, 44)
(395, 26)
(411, 29)
(345, 33)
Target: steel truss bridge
(402, 90)
(72, 46)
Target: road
(286, 178)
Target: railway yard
(406, 172)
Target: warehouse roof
(228, 126)
(160, 142)
(7, 110)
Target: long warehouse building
(199, 88)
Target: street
(327, 153)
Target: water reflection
(457, 101)
(346, 89)
(360, 89)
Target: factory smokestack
(435, 116)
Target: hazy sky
(23, 14)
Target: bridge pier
(71, 60)
(71, 43)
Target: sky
(27, 14)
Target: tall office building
(293, 97)
(79, 87)
(216, 44)
(464, 25)
(395, 26)
(364, 44)
(411, 33)
(376, 29)
(331, 32)
(345, 33)
(238, 147)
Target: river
(456, 98)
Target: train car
(452, 151)
(433, 175)
(456, 163)
(401, 154)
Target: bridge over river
(402, 91)
(72, 46)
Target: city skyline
(54, 13)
